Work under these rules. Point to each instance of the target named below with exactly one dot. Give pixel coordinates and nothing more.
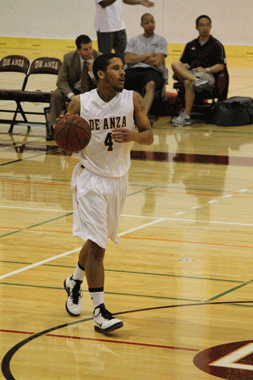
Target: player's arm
(145, 3)
(132, 59)
(144, 135)
(74, 106)
(155, 60)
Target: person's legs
(133, 79)
(120, 42)
(149, 95)
(57, 104)
(189, 96)
(198, 80)
(98, 201)
(184, 118)
(152, 82)
(105, 42)
(91, 258)
(193, 81)
(182, 72)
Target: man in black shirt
(201, 61)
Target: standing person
(109, 24)
(75, 76)
(145, 57)
(99, 180)
(201, 61)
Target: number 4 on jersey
(109, 142)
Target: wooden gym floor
(181, 279)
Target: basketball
(72, 133)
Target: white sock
(79, 273)
(97, 298)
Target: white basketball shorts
(97, 204)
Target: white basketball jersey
(102, 155)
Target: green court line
(172, 275)
(36, 225)
(131, 272)
(140, 191)
(229, 291)
(112, 293)
(125, 294)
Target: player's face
(115, 74)
(148, 24)
(204, 27)
(85, 51)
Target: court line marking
(140, 216)
(104, 340)
(9, 355)
(18, 229)
(73, 251)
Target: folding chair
(201, 108)
(8, 66)
(15, 63)
(42, 65)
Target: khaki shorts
(97, 204)
(205, 76)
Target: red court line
(135, 238)
(107, 341)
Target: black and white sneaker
(74, 302)
(104, 322)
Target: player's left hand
(122, 135)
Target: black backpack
(237, 110)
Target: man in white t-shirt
(109, 24)
(145, 59)
(99, 182)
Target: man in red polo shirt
(201, 61)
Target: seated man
(201, 61)
(75, 76)
(145, 58)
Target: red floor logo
(233, 361)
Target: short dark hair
(202, 16)
(145, 15)
(102, 61)
(82, 39)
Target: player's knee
(56, 95)
(187, 83)
(174, 65)
(150, 86)
(96, 251)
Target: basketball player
(99, 181)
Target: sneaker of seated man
(202, 59)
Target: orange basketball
(72, 133)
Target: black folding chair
(40, 66)
(8, 66)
